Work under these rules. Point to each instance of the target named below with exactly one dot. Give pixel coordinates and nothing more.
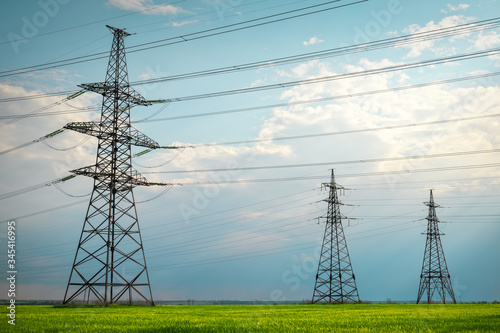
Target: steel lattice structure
(110, 265)
(335, 279)
(435, 275)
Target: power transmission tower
(110, 265)
(435, 275)
(335, 280)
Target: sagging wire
(180, 150)
(61, 180)
(342, 216)
(168, 187)
(97, 105)
(91, 108)
(36, 187)
(43, 140)
(166, 103)
(70, 97)
(68, 194)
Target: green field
(259, 318)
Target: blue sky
(260, 240)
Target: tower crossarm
(134, 178)
(139, 139)
(124, 92)
(334, 185)
(134, 97)
(134, 137)
(85, 127)
(333, 201)
(117, 31)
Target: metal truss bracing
(132, 178)
(110, 265)
(435, 275)
(124, 92)
(129, 136)
(335, 280)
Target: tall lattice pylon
(110, 265)
(335, 280)
(435, 275)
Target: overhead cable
(180, 39)
(362, 161)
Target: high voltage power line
(364, 174)
(383, 128)
(390, 42)
(184, 38)
(172, 245)
(362, 161)
(203, 240)
(334, 52)
(265, 180)
(239, 207)
(268, 106)
(383, 70)
(355, 233)
(209, 224)
(266, 201)
(251, 254)
(301, 223)
(197, 240)
(59, 131)
(90, 23)
(210, 32)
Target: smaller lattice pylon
(335, 279)
(434, 276)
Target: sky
(393, 120)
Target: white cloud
(146, 75)
(312, 41)
(403, 78)
(216, 156)
(386, 109)
(451, 8)
(70, 150)
(258, 82)
(416, 49)
(183, 23)
(485, 41)
(146, 6)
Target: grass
(259, 318)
